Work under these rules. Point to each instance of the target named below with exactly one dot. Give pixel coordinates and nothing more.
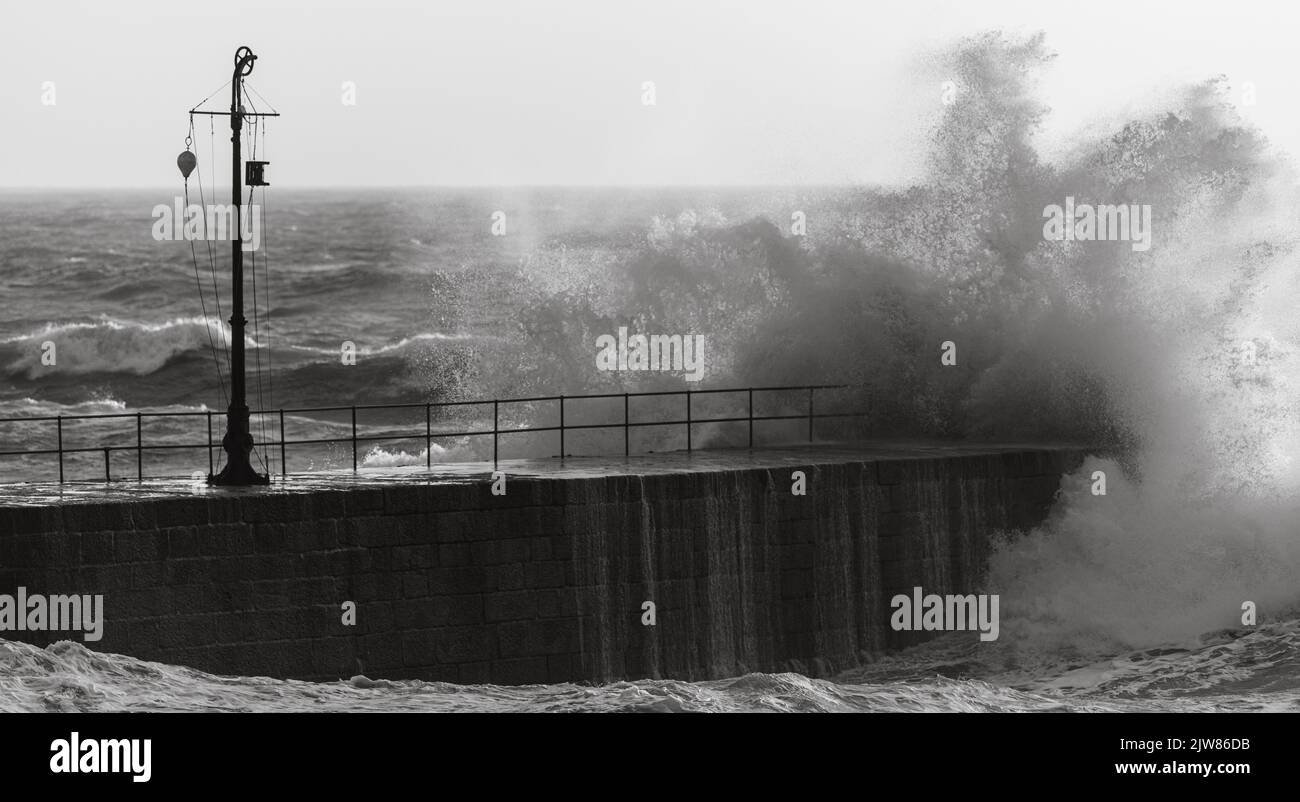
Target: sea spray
(1179, 359)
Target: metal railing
(428, 435)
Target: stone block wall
(542, 585)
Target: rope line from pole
(212, 261)
(257, 329)
(209, 97)
(273, 109)
(194, 259)
(266, 293)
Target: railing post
(810, 413)
(495, 437)
(284, 469)
(354, 438)
(561, 427)
(139, 447)
(627, 450)
(751, 417)
(107, 475)
(210, 465)
(428, 436)
(60, 449)
(688, 421)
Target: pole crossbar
(241, 114)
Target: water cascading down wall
(547, 583)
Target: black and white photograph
(509, 357)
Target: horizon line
(377, 187)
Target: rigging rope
(206, 99)
(252, 255)
(212, 262)
(257, 340)
(273, 109)
(198, 282)
(266, 293)
(194, 258)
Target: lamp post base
(237, 474)
(238, 444)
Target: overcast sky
(510, 92)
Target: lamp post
(238, 440)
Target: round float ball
(186, 162)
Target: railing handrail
(428, 434)
(433, 404)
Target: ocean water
(436, 307)
(1180, 360)
(1256, 671)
